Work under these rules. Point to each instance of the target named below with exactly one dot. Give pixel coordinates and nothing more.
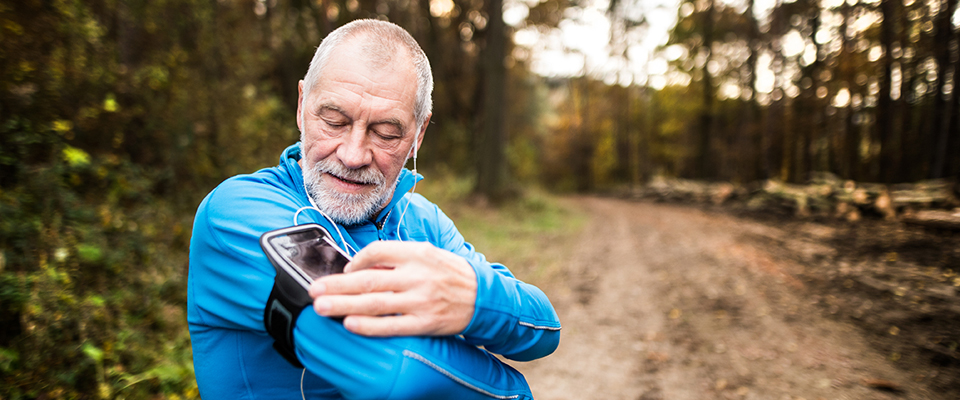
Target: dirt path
(668, 302)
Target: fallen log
(934, 219)
(825, 195)
(925, 194)
(687, 190)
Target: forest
(118, 116)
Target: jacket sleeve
(231, 278)
(413, 367)
(511, 318)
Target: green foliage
(91, 287)
(108, 125)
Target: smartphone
(304, 252)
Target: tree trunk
(583, 145)
(884, 115)
(649, 131)
(941, 108)
(953, 141)
(788, 144)
(491, 170)
(818, 155)
(752, 144)
(848, 157)
(803, 111)
(706, 114)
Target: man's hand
(400, 289)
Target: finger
(348, 269)
(387, 253)
(400, 325)
(371, 304)
(317, 288)
(368, 281)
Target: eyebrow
(331, 107)
(396, 123)
(390, 121)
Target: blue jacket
(230, 279)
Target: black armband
(286, 301)
(300, 254)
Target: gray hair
(380, 44)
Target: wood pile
(683, 190)
(932, 203)
(935, 219)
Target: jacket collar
(292, 154)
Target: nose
(354, 151)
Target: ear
(299, 105)
(423, 130)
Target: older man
(416, 302)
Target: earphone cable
(313, 206)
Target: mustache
(366, 175)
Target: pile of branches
(932, 203)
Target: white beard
(345, 208)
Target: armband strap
(286, 301)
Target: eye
(332, 117)
(335, 123)
(385, 136)
(386, 132)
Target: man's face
(357, 131)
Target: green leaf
(8, 357)
(76, 157)
(89, 253)
(96, 301)
(110, 103)
(62, 125)
(94, 352)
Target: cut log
(686, 190)
(924, 194)
(884, 204)
(824, 195)
(935, 219)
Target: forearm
(402, 367)
(511, 318)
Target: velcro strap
(279, 317)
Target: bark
(941, 108)
(491, 169)
(848, 158)
(802, 132)
(583, 144)
(706, 114)
(817, 157)
(935, 219)
(752, 142)
(953, 141)
(884, 116)
(788, 143)
(634, 133)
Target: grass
(528, 234)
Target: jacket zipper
(380, 225)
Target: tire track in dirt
(667, 302)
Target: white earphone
(416, 136)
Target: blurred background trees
(118, 116)
(863, 89)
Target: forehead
(360, 77)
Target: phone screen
(311, 251)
